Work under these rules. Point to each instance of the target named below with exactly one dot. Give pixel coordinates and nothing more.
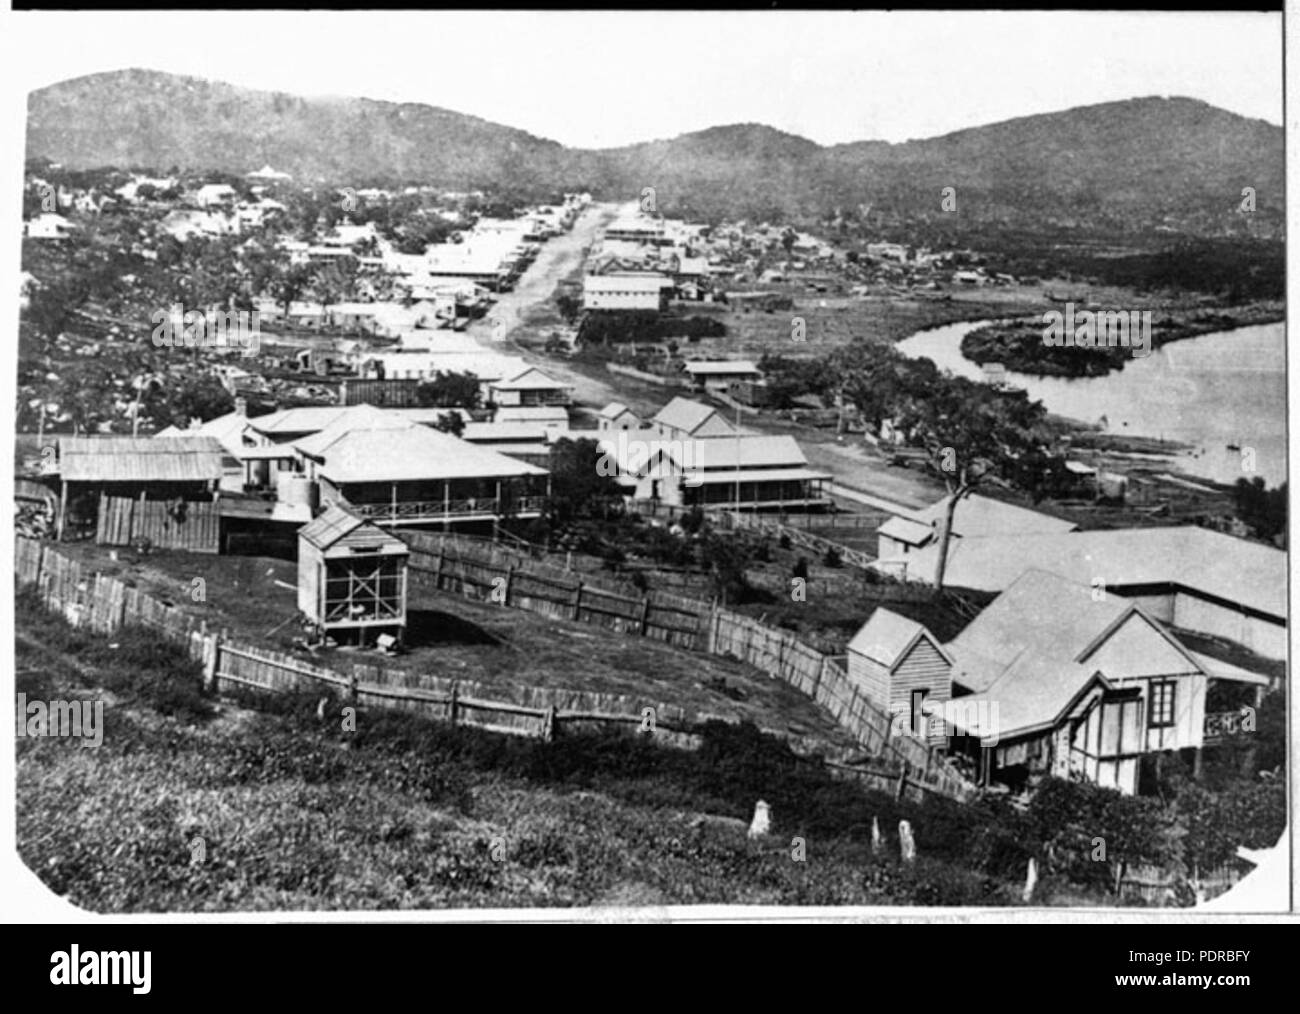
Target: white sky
(600, 79)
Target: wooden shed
(891, 657)
(351, 577)
(136, 488)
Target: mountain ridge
(1152, 158)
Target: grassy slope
(296, 814)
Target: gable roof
(414, 453)
(887, 637)
(1042, 620)
(902, 529)
(337, 522)
(1212, 563)
(613, 410)
(140, 459)
(531, 379)
(981, 515)
(353, 419)
(1032, 697)
(686, 415)
(229, 429)
(287, 421)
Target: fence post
(577, 600)
(211, 649)
(548, 726)
(711, 637)
(510, 574)
(352, 686)
(451, 704)
(645, 612)
(902, 781)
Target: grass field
(450, 636)
(224, 807)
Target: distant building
(214, 195)
(719, 375)
(48, 226)
(530, 389)
(626, 292)
(975, 516)
(1189, 577)
(617, 416)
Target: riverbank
(1018, 344)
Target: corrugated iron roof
(140, 459)
(885, 637)
(337, 523)
(684, 414)
(414, 454)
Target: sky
(603, 79)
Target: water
(1224, 388)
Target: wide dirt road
(558, 257)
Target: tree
(1262, 509)
(971, 433)
(449, 390)
(451, 422)
(50, 307)
(582, 487)
(177, 402)
(288, 284)
(569, 306)
(1092, 835)
(727, 558)
(336, 282)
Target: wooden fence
(448, 563)
(104, 604)
(740, 520)
(1154, 885)
(124, 520)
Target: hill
(1170, 163)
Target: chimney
(241, 406)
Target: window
(1162, 703)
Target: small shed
(351, 577)
(134, 488)
(892, 657)
(617, 416)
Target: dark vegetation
(609, 327)
(1020, 347)
(1261, 508)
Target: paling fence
(895, 762)
(742, 521)
(458, 564)
(124, 520)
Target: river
(1228, 387)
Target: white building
(625, 292)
